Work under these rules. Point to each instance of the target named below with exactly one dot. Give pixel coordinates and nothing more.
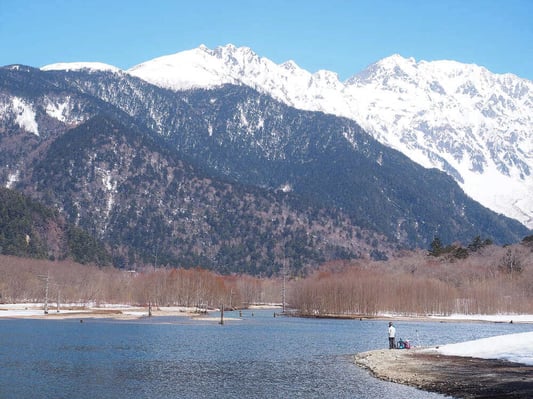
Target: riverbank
(475, 318)
(114, 311)
(457, 376)
(121, 312)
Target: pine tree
(436, 248)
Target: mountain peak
(236, 56)
(196, 68)
(397, 59)
(290, 65)
(206, 68)
(394, 65)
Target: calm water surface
(257, 357)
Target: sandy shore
(459, 377)
(121, 312)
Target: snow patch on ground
(512, 347)
(498, 318)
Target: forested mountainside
(29, 229)
(125, 187)
(227, 178)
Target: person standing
(392, 336)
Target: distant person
(392, 336)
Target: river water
(259, 356)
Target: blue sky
(338, 35)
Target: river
(259, 356)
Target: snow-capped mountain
(475, 125)
(58, 143)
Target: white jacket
(392, 332)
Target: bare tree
(510, 263)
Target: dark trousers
(392, 344)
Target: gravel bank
(460, 377)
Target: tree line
(72, 283)
(490, 280)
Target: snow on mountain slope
(205, 68)
(475, 125)
(186, 70)
(24, 115)
(77, 66)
